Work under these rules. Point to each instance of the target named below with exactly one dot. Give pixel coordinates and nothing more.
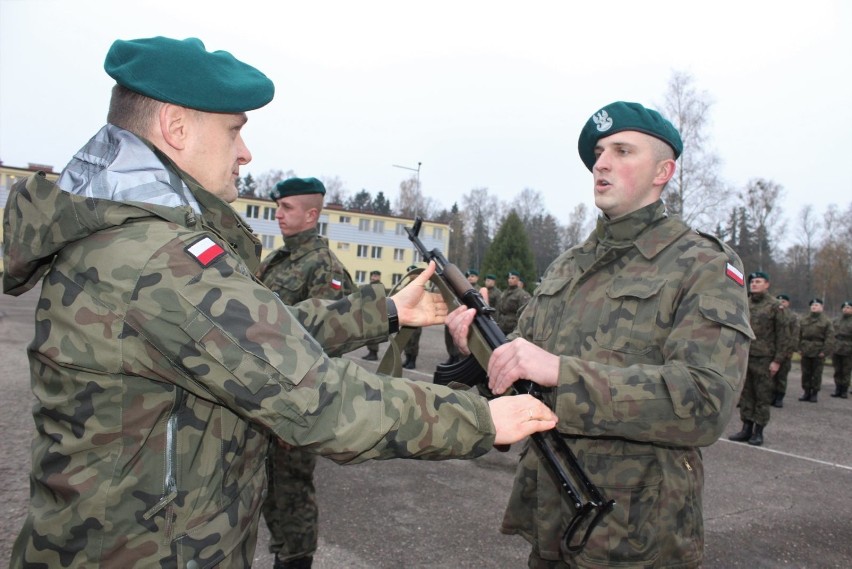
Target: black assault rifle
(589, 503)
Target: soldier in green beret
(303, 268)
(493, 291)
(770, 346)
(841, 359)
(779, 381)
(816, 340)
(161, 368)
(512, 301)
(639, 338)
(412, 347)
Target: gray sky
(483, 93)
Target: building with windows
(363, 241)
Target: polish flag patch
(205, 251)
(336, 284)
(734, 274)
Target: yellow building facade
(363, 241)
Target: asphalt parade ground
(785, 504)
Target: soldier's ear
(173, 124)
(665, 171)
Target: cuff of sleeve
(583, 397)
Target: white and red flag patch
(205, 251)
(734, 274)
(336, 284)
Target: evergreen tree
(362, 201)
(248, 187)
(511, 250)
(381, 204)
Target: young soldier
(841, 359)
(816, 336)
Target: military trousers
(412, 346)
(758, 391)
(290, 508)
(842, 371)
(812, 373)
(780, 380)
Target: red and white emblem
(336, 284)
(205, 251)
(734, 274)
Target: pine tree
(510, 251)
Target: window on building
(378, 226)
(399, 254)
(363, 251)
(360, 277)
(363, 225)
(268, 241)
(345, 219)
(376, 253)
(395, 278)
(342, 246)
(322, 228)
(269, 213)
(253, 211)
(438, 232)
(400, 229)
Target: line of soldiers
(779, 333)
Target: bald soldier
(304, 267)
(639, 339)
(161, 368)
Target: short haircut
(132, 111)
(662, 151)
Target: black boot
(757, 437)
(371, 356)
(300, 563)
(844, 394)
(836, 392)
(779, 400)
(806, 396)
(745, 434)
(813, 397)
(410, 361)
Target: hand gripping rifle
(589, 503)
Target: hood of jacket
(116, 178)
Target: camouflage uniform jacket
(792, 332)
(305, 268)
(843, 335)
(816, 335)
(771, 328)
(511, 302)
(494, 296)
(653, 341)
(160, 366)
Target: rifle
(589, 503)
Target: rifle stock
(589, 503)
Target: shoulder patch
(205, 251)
(734, 274)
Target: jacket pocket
(549, 301)
(628, 321)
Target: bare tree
(528, 205)
(481, 212)
(577, 229)
(266, 181)
(696, 191)
(412, 203)
(808, 239)
(761, 200)
(335, 193)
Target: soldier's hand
(519, 359)
(519, 416)
(416, 307)
(458, 323)
(773, 368)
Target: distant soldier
(816, 336)
(412, 348)
(493, 291)
(842, 356)
(512, 301)
(304, 267)
(373, 347)
(780, 379)
(769, 323)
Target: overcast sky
(482, 93)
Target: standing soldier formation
(841, 359)
(639, 339)
(161, 368)
(768, 348)
(780, 379)
(816, 336)
(303, 268)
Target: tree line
(495, 236)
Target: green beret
(845, 304)
(471, 272)
(815, 301)
(513, 274)
(182, 72)
(620, 116)
(375, 273)
(296, 187)
(411, 268)
(783, 297)
(491, 276)
(758, 275)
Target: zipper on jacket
(170, 474)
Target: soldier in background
(412, 347)
(161, 369)
(767, 352)
(493, 291)
(779, 381)
(373, 347)
(512, 301)
(304, 267)
(639, 340)
(841, 359)
(816, 337)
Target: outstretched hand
(415, 306)
(519, 416)
(458, 323)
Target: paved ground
(787, 504)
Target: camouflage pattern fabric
(841, 359)
(303, 268)
(160, 366)
(771, 327)
(511, 302)
(494, 296)
(653, 341)
(816, 340)
(779, 381)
